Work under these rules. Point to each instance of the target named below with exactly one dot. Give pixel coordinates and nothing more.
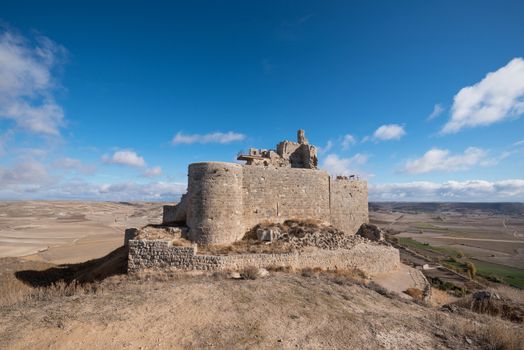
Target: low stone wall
(370, 258)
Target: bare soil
(69, 231)
(285, 310)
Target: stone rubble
(300, 235)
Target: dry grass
(245, 246)
(340, 299)
(181, 242)
(275, 268)
(506, 309)
(311, 272)
(497, 335)
(21, 280)
(13, 291)
(508, 292)
(488, 333)
(249, 273)
(415, 293)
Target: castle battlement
(225, 200)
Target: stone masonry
(225, 200)
(370, 258)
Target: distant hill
(435, 207)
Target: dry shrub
(472, 269)
(344, 277)
(18, 292)
(415, 293)
(381, 290)
(278, 268)
(220, 275)
(505, 309)
(13, 291)
(311, 271)
(497, 335)
(63, 289)
(245, 246)
(162, 275)
(181, 242)
(249, 273)
(306, 222)
(508, 292)
(489, 334)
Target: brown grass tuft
(415, 293)
(505, 309)
(249, 273)
(489, 333)
(245, 246)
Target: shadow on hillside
(114, 263)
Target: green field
(429, 227)
(411, 243)
(509, 275)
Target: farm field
(490, 235)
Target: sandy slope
(284, 311)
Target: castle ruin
(225, 200)
(278, 194)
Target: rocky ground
(301, 234)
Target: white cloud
(27, 83)
(389, 132)
(75, 165)
(137, 191)
(79, 189)
(326, 148)
(215, 137)
(441, 160)
(335, 165)
(28, 174)
(499, 96)
(347, 141)
(125, 157)
(471, 190)
(4, 139)
(437, 110)
(154, 171)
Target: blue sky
(423, 99)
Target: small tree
(472, 269)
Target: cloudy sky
(423, 99)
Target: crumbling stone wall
(161, 254)
(348, 204)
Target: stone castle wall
(161, 254)
(214, 211)
(225, 200)
(348, 204)
(279, 194)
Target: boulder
(371, 232)
(267, 234)
(485, 295)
